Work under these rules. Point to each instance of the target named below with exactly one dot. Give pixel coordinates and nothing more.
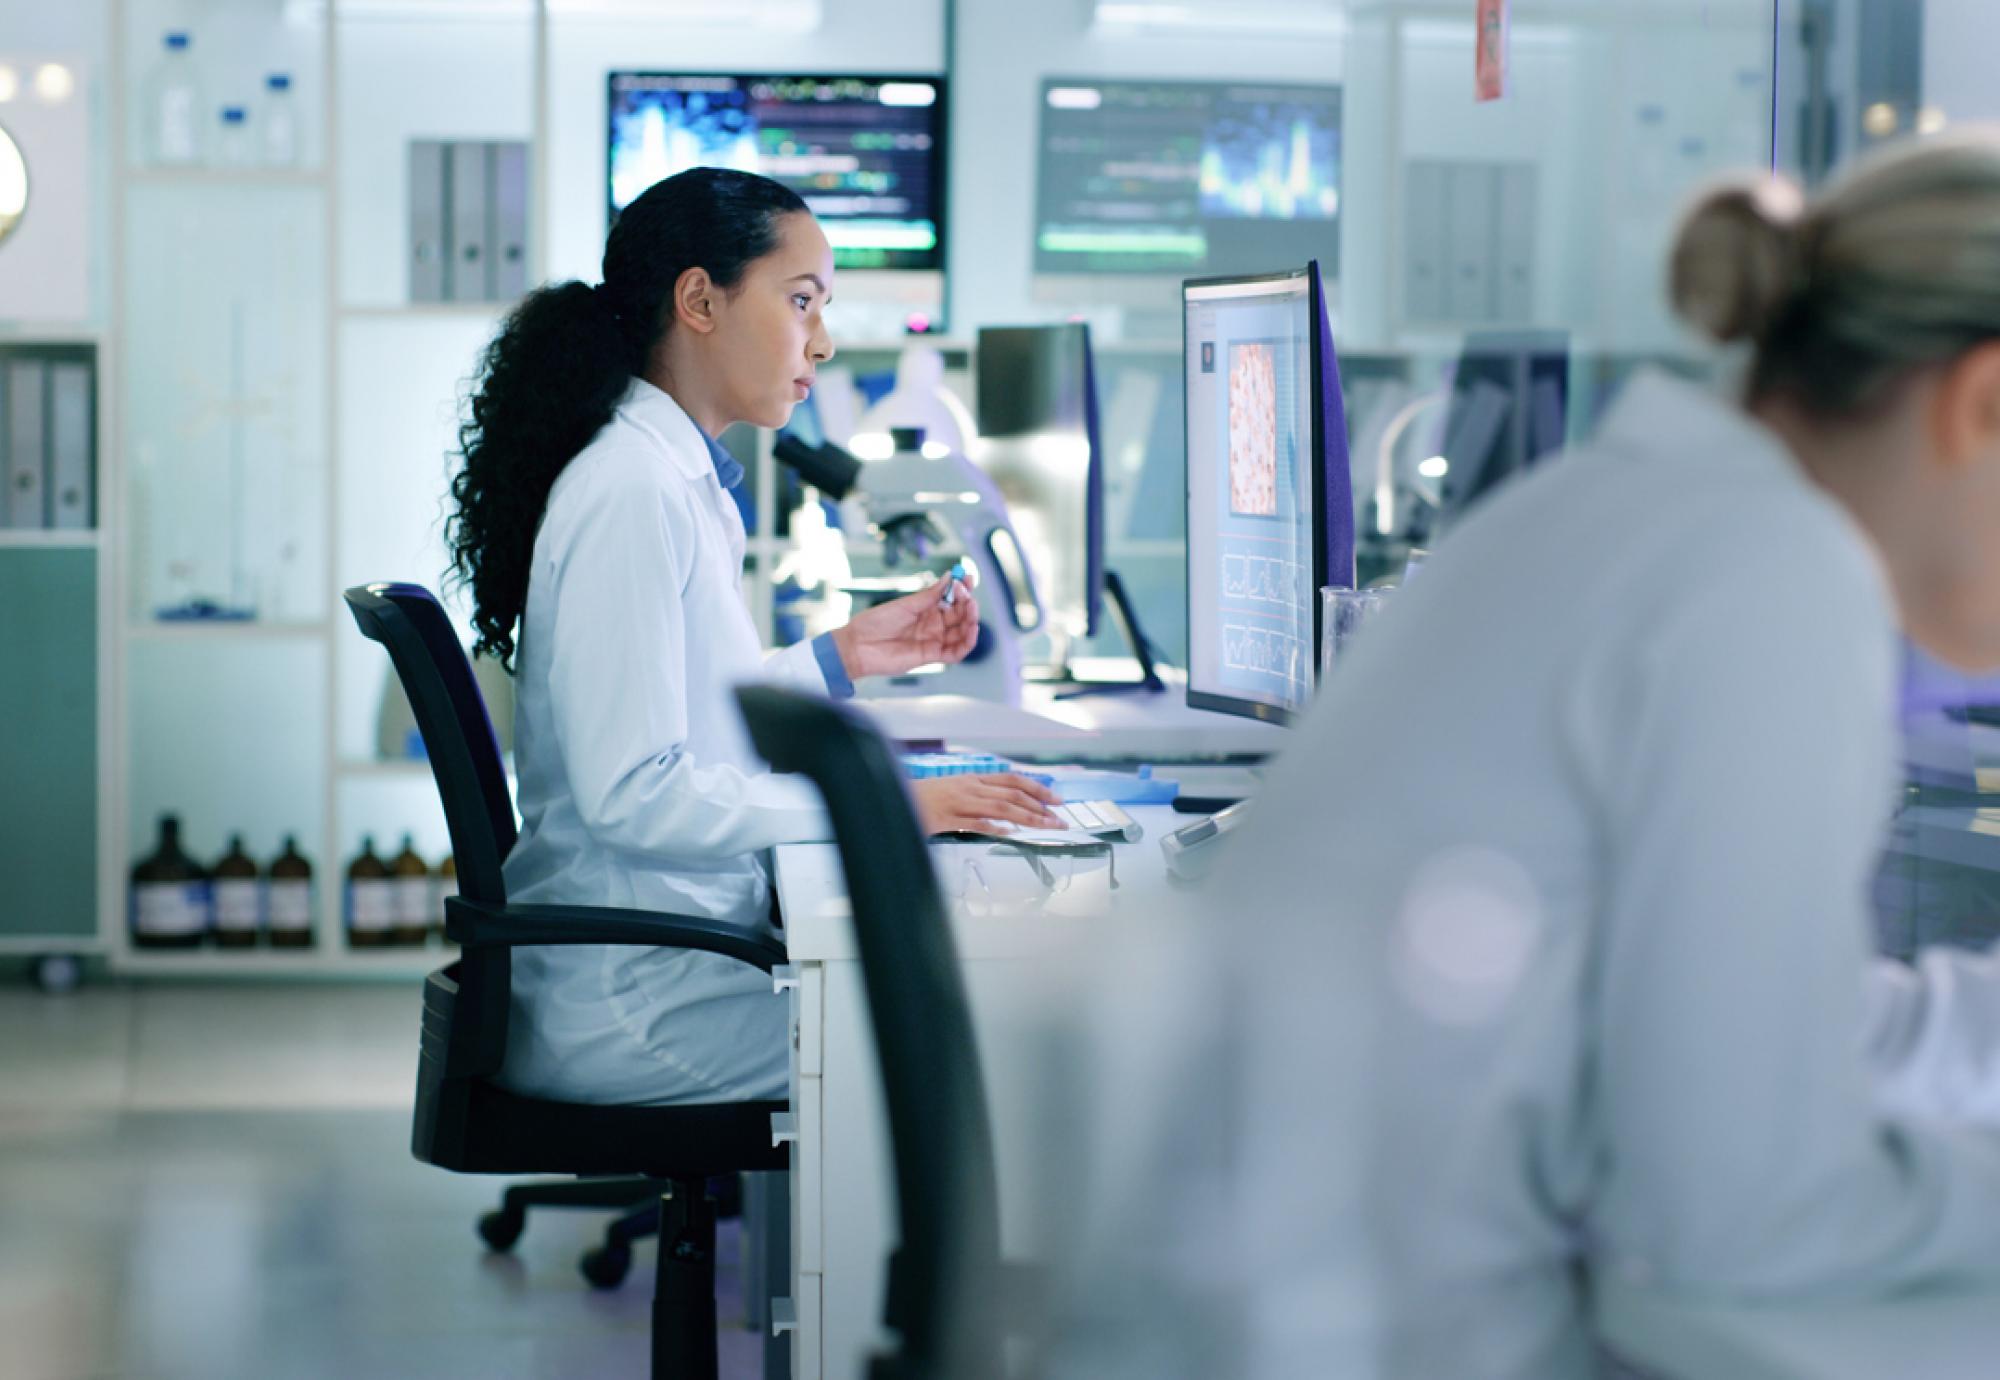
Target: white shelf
(15, 945)
(432, 311)
(325, 961)
(226, 177)
(415, 769)
(14, 332)
(224, 630)
(47, 541)
(393, 768)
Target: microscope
(930, 506)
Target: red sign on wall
(1491, 77)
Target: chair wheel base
(605, 1266)
(500, 1229)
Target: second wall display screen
(1176, 178)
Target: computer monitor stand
(1149, 681)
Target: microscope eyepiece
(826, 467)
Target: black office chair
(950, 1296)
(464, 1120)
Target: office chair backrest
(458, 736)
(466, 1005)
(946, 1197)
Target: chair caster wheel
(500, 1229)
(606, 1266)
(56, 974)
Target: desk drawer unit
(804, 987)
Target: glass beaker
(1343, 613)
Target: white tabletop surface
(999, 908)
(1122, 727)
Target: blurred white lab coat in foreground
(1547, 955)
(638, 784)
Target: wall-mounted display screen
(866, 153)
(1178, 178)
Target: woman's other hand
(946, 804)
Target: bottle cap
(232, 114)
(177, 40)
(279, 81)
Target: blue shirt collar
(726, 469)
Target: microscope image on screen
(1261, 550)
(1253, 431)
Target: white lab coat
(1546, 953)
(638, 785)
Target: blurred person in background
(1546, 955)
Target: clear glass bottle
(278, 122)
(233, 148)
(174, 106)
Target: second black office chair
(950, 1296)
(465, 1121)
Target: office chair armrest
(484, 925)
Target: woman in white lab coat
(1545, 957)
(604, 554)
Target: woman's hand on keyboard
(983, 804)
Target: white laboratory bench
(1126, 726)
(1020, 944)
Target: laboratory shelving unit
(279, 446)
(329, 396)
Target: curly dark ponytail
(563, 359)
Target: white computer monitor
(1263, 460)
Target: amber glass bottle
(447, 887)
(171, 908)
(412, 883)
(288, 899)
(371, 900)
(239, 907)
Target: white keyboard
(1097, 817)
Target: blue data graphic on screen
(1181, 177)
(866, 154)
(1250, 517)
(1271, 159)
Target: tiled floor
(214, 1183)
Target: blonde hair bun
(1737, 259)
